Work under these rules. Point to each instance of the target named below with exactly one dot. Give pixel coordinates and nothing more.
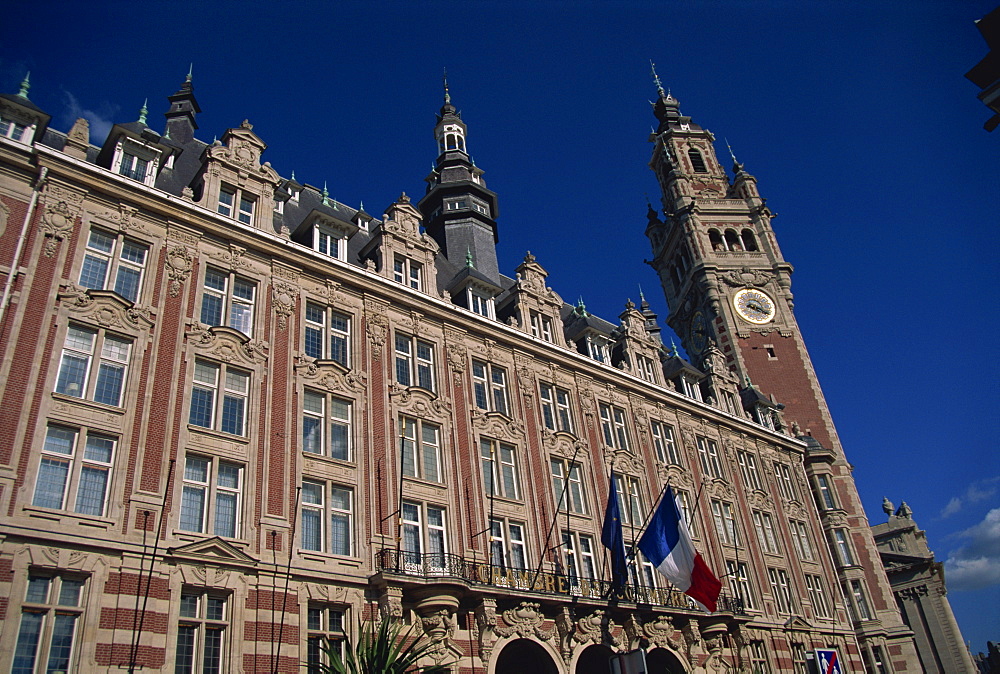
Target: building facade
(240, 417)
(917, 582)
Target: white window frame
(91, 360)
(431, 539)
(825, 492)
(235, 309)
(202, 622)
(759, 663)
(500, 471)
(241, 206)
(578, 556)
(684, 503)
(786, 485)
(647, 370)
(480, 302)
(557, 414)
(74, 452)
(613, 426)
(326, 417)
(216, 489)
(489, 387)
(541, 326)
(128, 152)
(329, 328)
(330, 508)
(817, 596)
(708, 453)
(841, 539)
(565, 471)
(414, 359)
(739, 583)
(630, 505)
(664, 443)
(408, 272)
(508, 549)
(801, 540)
(223, 392)
(764, 524)
(725, 522)
(51, 601)
(324, 625)
(689, 387)
(330, 243)
(116, 254)
(10, 126)
(748, 470)
(781, 590)
(420, 441)
(857, 601)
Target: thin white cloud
(976, 565)
(100, 121)
(980, 490)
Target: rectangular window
(50, 618)
(219, 397)
(480, 302)
(423, 540)
(414, 362)
(327, 334)
(567, 486)
(325, 625)
(11, 129)
(641, 571)
(825, 497)
(499, 468)
(647, 370)
(758, 658)
(664, 444)
(578, 555)
(764, 525)
(420, 449)
(630, 501)
(780, 589)
(407, 272)
(739, 583)
(725, 522)
(841, 541)
(507, 544)
(228, 299)
(133, 167)
(556, 413)
(613, 427)
(799, 665)
(201, 634)
(708, 453)
(748, 470)
(327, 517)
(489, 384)
(74, 471)
(783, 476)
(800, 539)
(685, 506)
(329, 243)
(857, 602)
(326, 425)
(541, 326)
(227, 198)
(814, 584)
(112, 262)
(94, 365)
(210, 500)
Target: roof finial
(673, 349)
(468, 258)
(748, 382)
(642, 298)
(143, 112)
(731, 152)
(326, 195)
(362, 206)
(447, 96)
(581, 308)
(190, 72)
(293, 174)
(656, 78)
(25, 85)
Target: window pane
(127, 283)
(225, 514)
(215, 608)
(62, 643)
(312, 435)
(232, 414)
(51, 484)
(185, 649)
(201, 407)
(313, 344)
(72, 375)
(60, 439)
(339, 441)
(340, 534)
(312, 536)
(94, 272)
(91, 492)
(229, 475)
(211, 309)
(192, 509)
(241, 318)
(69, 592)
(27, 643)
(109, 384)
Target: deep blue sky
(855, 117)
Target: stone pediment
(241, 148)
(797, 623)
(227, 344)
(106, 308)
(496, 425)
(213, 549)
(419, 402)
(330, 375)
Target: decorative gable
(234, 163)
(215, 550)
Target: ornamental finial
(25, 85)
(326, 195)
(447, 95)
(468, 258)
(143, 112)
(656, 78)
(190, 74)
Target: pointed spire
(143, 111)
(447, 95)
(25, 85)
(468, 258)
(673, 349)
(326, 195)
(581, 308)
(656, 79)
(190, 72)
(737, 166)
(293, 174)
(362, 206)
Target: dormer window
(541, 326)
(13, 130)
(689, 387)
(229, 197)
(407, 272)
(329, 243)
(480, 302)
(135, 161)
(596, 349)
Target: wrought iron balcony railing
(437, 565)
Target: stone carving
(457, 355)
(233, 258)
(485, 624)
(496, 425)
(525, 621)
(78, 139)
(662, 633)
(106, 308)
(125, 218)
(440, 627)
(333, 294)
(283, 293)
(330, 376)
(563, 443)
(596, 628)
(418, 402)
(376, 326)
(745, 277)
(623, 462)
(179, 262)
(62, 206)
(227, 344)
(390, 603)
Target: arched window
(732, 240)
(452, 141)
(461, 144)
(749, 241)
(697, 161)
(716, 240)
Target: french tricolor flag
(667, 545)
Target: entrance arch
(523, 656)
(662, 661)
(595, 659)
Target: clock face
(754, 306)
(699, 332)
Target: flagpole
(555, 520)
(656, 503)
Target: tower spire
(183, 107)
(25, 85)
(656, 79)
(143, 111)
(447, 95)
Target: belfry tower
(727, 283)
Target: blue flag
(613, 540)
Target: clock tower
(728, 289)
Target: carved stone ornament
(678, 476)
(621, 461)
(662, 633)
(331, 376)
(326, 593)
(376, 326)
(440, 627)
(179, 262)
(745, 277)
(283, 294)
(525, 620)
(419, 403)
(105, 308)
(233, 258)
(227, 344)
(333, 293)
(62, 206)
(761, 500)
(595, 628)
(457, 357)
(390, 602)
(485, 624)
(496, 425)
(564, 444)
(722, 490)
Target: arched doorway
(523, 656)
(662, 661)
(595, 659)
